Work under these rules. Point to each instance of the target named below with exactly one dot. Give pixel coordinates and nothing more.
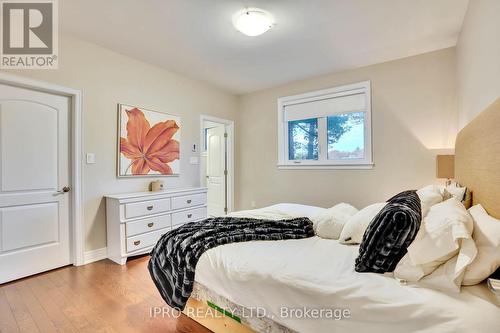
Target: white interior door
(216, 165)
(34, 166)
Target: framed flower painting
(148, 144)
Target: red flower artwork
(149, 148)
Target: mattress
(300, 283)
(250, 317)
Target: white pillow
(455, 191)
(442, 249)
(330, 223)
(429, 196)
(356, 226)
(487, 237)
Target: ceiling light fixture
(253, 21)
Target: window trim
(283, 161)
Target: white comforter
(319, 273)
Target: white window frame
(322, 162)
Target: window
(205, 139)
(326, 129)
(303, 139)
(346, 136)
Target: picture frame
(148, 143)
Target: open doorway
(216, 163)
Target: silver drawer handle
(188, 201)
(149, 207)
(151, 224)
(190, 215)
(137, 243)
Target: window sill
(367, 166)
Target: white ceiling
(311, 37)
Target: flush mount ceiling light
(253, 21)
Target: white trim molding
(327, 167)
(76, 217)
(230, 156)
(95, 255)
(351, 98)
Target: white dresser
(135, 221)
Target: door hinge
(225, 172)
(225, 210)
(225, 135)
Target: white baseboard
(95, 255)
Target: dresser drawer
(189, 200)
(146, 225)
(146, 207)
(189, 216)
(145, 240)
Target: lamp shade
(445, 166)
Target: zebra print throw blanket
(389, 234)
(174, 258)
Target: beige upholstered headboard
(477, 158)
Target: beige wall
(478, 59)
(414, 113)
(107, 78)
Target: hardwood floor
(99, 297)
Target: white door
(34, 166)
(216, 165)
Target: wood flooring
(99, 297)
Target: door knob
(65, 189)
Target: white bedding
(319, 273)
(281, 210)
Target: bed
(254, 285)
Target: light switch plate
(193, 160)
(90, 157)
